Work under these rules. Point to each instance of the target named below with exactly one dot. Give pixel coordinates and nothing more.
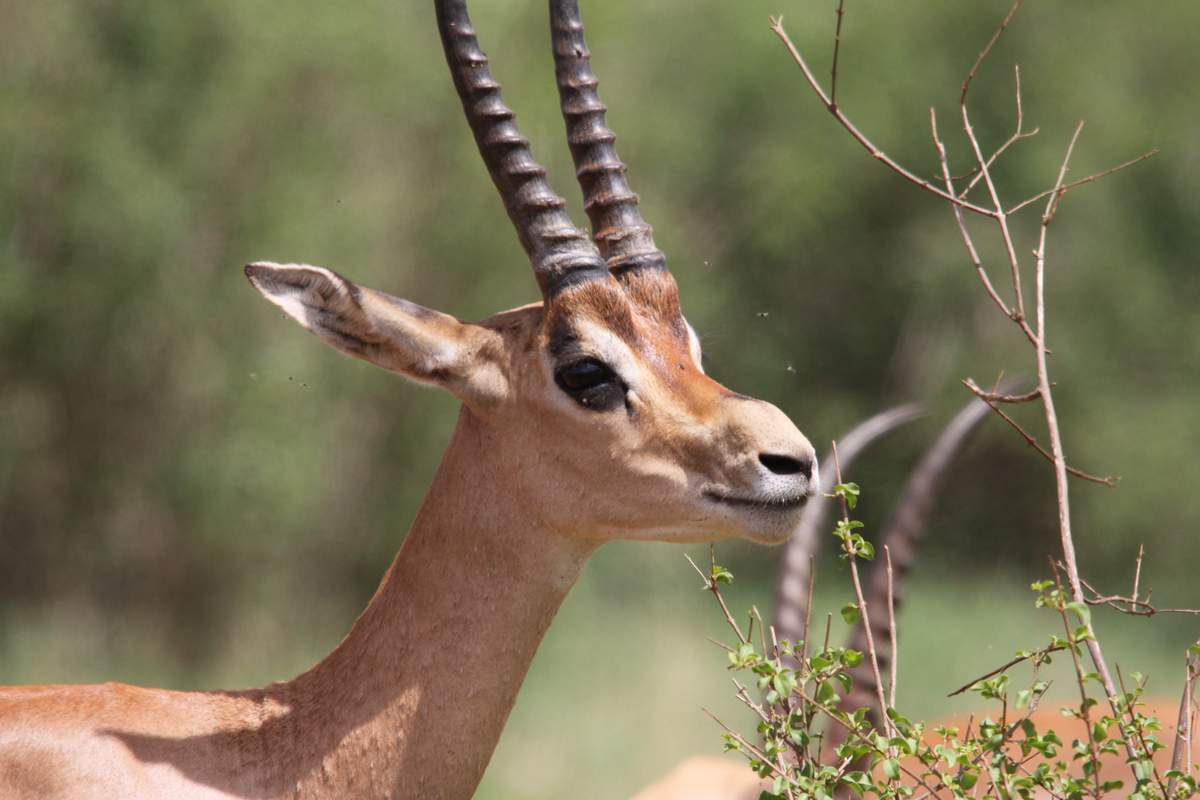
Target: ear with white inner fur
(421, 344)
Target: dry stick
(876, 153)
(862, 610)
(1056, 446)
(1107, 480)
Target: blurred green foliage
(193, 491)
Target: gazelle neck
(418, 692)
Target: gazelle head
(594, 403)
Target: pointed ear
(423, 345)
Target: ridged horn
(625, 240)
(560, 253)
(791, 584)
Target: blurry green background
(195, 493)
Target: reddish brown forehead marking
(655, 293)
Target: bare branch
(891, 605)
(837, 46)
(1131, 605)
(1181, 760)
(968, 242)
(711, 586)
(1007, 665)
(1061, 190)
(996, 397)
(1108, 480)
(966, 85)
(876, 153)
(864, 613)
(1056, 446)
(1017, 136)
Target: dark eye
(591, 383)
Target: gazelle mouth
(764, 503)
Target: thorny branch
(1036, 335)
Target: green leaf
(850, 613)
(1080, 610)
(891, 768)
(848, 491)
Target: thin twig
(812, 579)
(864, 613)
(966, 85)
(891, 596)
(1107, 480)
(1036, 654)
(1084, 704)
(1132, 605)
(711, 586)
(1018, 134)
(968, 242)
(837, 46)
(1137, 570)
(1182, 747)
(869, 742)
(997, 397)
(742, 741)
(1001, 218)
(876, 153)
(1061, 190)
(1056, 446)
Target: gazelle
(585, 417)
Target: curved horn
(791, 585)
(625, 240)
(560, 253)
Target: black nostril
(786, 465)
